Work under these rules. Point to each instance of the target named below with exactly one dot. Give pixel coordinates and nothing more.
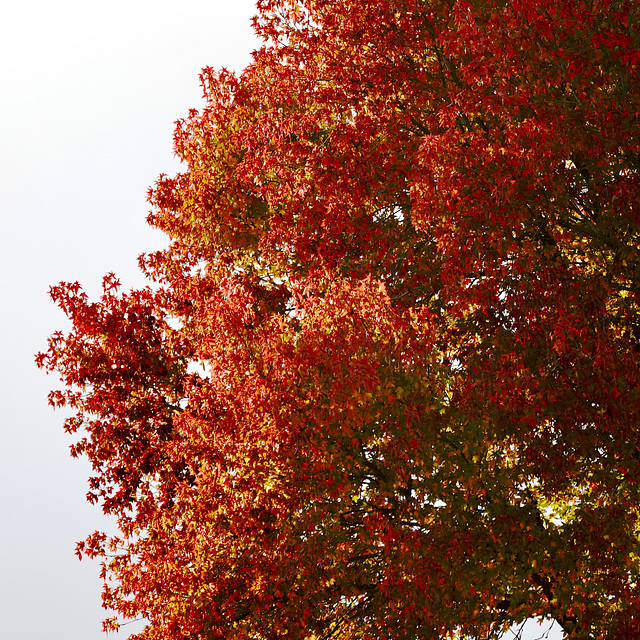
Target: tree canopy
(384, 381)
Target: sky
(90, 92)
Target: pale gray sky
(89, 95)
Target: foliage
(385, 384)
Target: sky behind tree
(90, 94)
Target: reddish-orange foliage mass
(385, 384)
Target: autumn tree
(384, 383)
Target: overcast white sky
(89, 93)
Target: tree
(385, 383)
